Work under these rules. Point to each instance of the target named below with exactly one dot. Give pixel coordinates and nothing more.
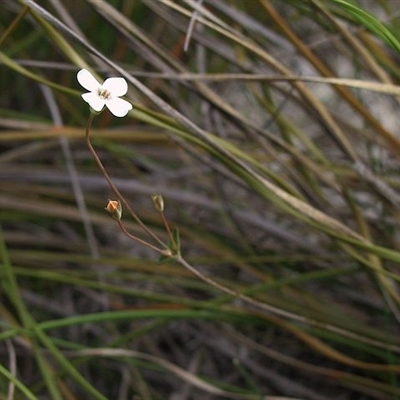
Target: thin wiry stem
(113, 187)
(171, 237)
(136, 239)
(284, 313)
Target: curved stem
(114, 188)
(136, 239)
(279, 311)
(168, 229)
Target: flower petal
(119, 107)
(87, 80)
(94, 101)
(116, 86)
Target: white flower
(106, 94)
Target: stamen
(104, 93)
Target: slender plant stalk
(116, 191)
(136, 239)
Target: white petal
(116, 86)
(94, 101)
(87, 80)
(119, 107)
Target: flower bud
(114, 208)
(158, 202)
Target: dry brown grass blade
(356, 44)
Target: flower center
(104, 94)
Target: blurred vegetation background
(270, 127)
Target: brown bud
(114, 208)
